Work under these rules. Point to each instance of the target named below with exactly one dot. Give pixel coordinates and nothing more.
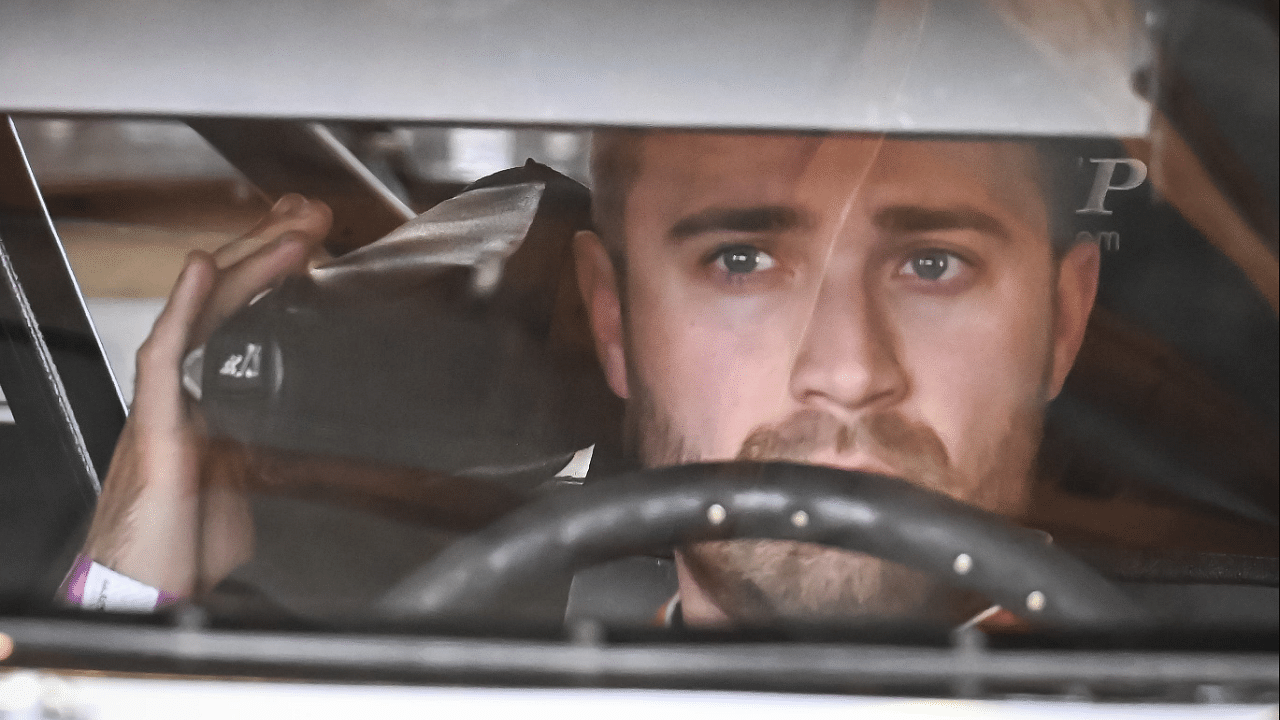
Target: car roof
(967, 66)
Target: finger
(240, 283)
(157, 389)
(256, 236)
(268, 228)
(293, 213)
(283, 206)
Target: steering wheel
(651, 511)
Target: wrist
(155, 546)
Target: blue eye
(743, 260)
(933, 265)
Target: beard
(760, 582)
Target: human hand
(170, 515)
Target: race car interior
(432, 452)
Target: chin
(763, 582)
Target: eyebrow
(914, 219)
(755, 219)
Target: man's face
(871, 304)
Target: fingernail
(288, 204)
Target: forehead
(677, 171)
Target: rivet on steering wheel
(861, 512)
(716, 514)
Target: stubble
(759, 582)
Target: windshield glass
(513, 373)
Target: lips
(857, 463)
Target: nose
(847, 359)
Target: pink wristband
(96, 586)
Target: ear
(1076, 290)
(599, 285)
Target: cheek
(977, 366)
(715, 370)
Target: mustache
(910, 449)
(762, 581)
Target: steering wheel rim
(651, 510)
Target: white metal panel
(105, 698)
(898, 65)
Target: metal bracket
(66, 407)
